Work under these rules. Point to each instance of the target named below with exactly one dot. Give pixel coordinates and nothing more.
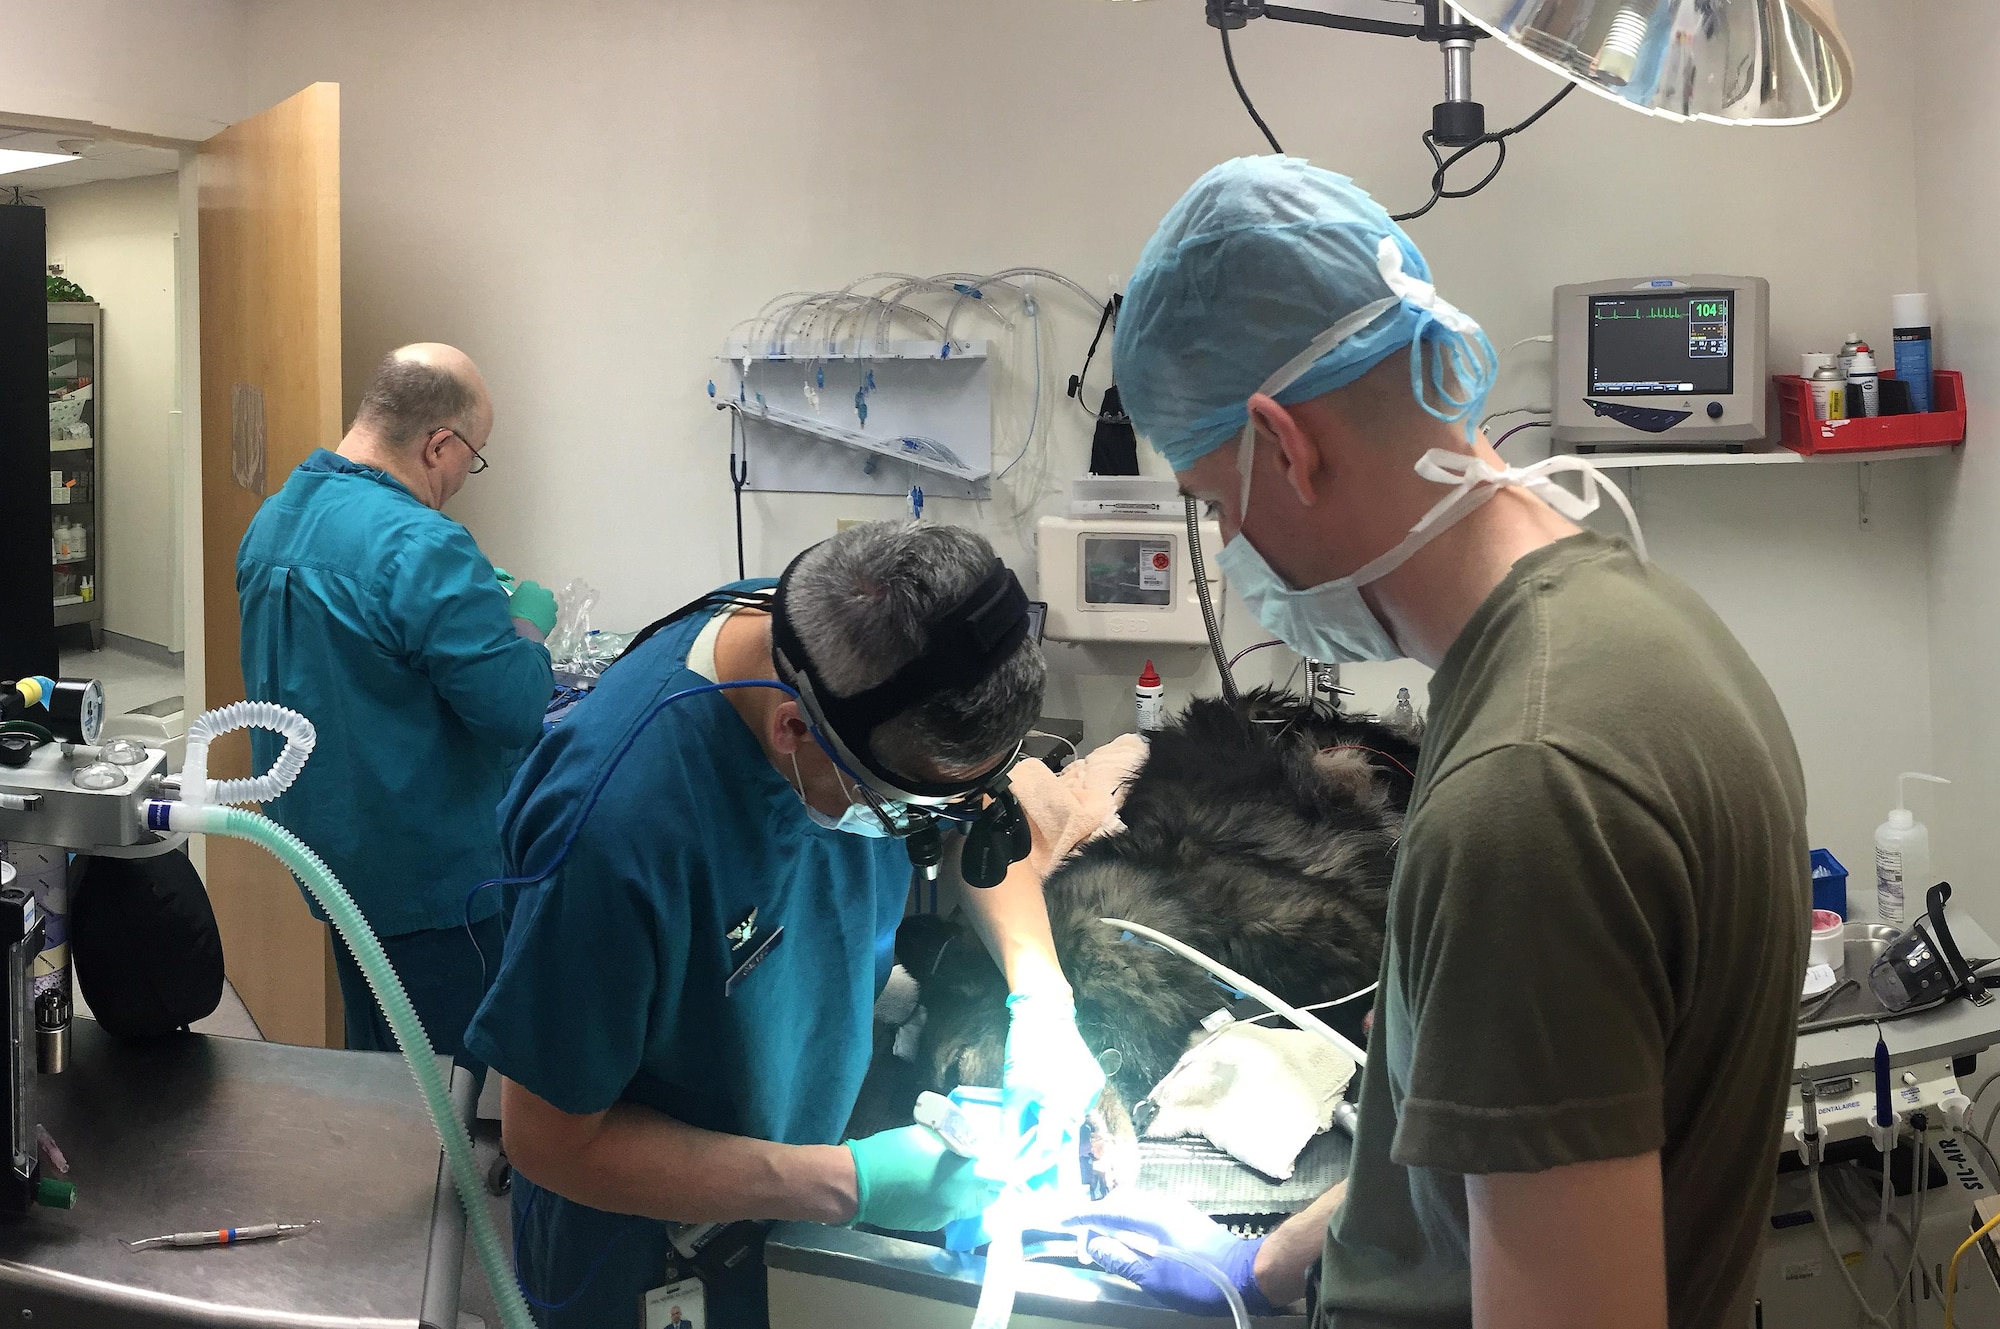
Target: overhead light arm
(1456, 121)
(1321, 19)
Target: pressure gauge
(76, 710)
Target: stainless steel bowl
(1863, 943)
(1851, 1000)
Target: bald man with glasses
(373, 614)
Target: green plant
(64, 291)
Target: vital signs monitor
(1661, 362)
(1124, 579)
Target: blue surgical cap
(1260, 257)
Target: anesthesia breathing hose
(199, 811)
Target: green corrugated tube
(238, 823)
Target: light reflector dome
(1737, 62)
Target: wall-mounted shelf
(877, 418)
(924, 453)
(1772, 457)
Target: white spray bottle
(1902, 854)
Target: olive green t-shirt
(1596, 938)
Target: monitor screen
(1128, 571)
(1672, 342)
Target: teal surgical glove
(1048, 1083)
(534, 603)
(907, 1181)
(506, 579)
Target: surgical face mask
(1331, 621)
(858, 819)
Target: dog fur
(1262, 835)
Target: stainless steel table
(836, 1276)
(195, 1132)
(1954, 1029)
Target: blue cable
(596, 790)
(562, 853)
(590, 801)
(589, 1276)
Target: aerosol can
(1864, 385)
(1848, 349)
(1829, 393)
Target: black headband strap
(972, 640)
(966, 645)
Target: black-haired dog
(1262, 835)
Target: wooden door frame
(187, 335)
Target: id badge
(678, 1305)
(753, 950)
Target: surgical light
(1736, 62)
(1740, 62)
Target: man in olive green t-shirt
(1571, 1107)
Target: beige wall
(588, 197)
(117, 239)
(1958, 141)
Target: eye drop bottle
(1150, 698)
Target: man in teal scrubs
(683, 1015)
(375, 616)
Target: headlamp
(963, 647)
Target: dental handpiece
(222, 1236)
(953, 1126)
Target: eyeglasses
(479, 462)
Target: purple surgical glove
(1160, 1220)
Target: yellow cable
(1951, 1278)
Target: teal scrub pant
(440, 970)
(582, 1268)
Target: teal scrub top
(614, 985)
(378, 619)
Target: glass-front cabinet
(76, 457)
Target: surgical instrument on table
(227, 1236)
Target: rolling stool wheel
(500, 1177)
